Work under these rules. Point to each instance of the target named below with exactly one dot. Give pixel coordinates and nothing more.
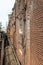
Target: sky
(5, 9)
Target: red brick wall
(33, 32)
(36, 39)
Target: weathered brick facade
(25, 31)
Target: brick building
(36, 35)
(25, 31)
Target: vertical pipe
(2, 52)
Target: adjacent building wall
(26, 31)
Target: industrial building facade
(25, 31)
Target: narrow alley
(22, 44)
